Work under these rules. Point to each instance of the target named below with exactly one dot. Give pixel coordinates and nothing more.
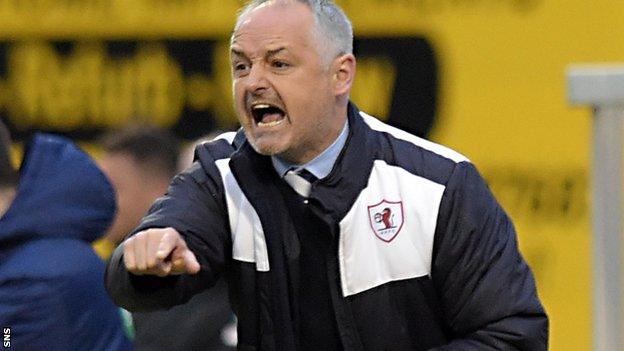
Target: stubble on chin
(265, 150)
(259, 146)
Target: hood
(61, 194)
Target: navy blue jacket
(422, 257)
(52, 294)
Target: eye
(240, 66)
(280, 64)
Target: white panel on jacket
(248, 242)
(441, 150)
(388, 233)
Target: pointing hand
(159, 251)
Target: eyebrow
(274, 52)
(269, 53)
(237, 52)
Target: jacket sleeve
(487, 291)
(194, 206)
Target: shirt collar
(322, 164)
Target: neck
(305, 155)
(6, 198)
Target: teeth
(261, 106)
(271, 124)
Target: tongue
(271, 117)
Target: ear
(344, 74)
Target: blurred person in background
(140, 161)
(52, 295)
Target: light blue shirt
(322, 164)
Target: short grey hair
(332, 26)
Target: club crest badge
(386, 219)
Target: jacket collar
(333, 194)
(336, 193)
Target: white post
(602, 87)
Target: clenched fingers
(161, 252)
(168, 241)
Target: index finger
(167, 244)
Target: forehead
(275, 24)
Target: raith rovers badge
(386, 219)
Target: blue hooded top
(51, 282)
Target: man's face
(136, 190)
(283, 91)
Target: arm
(486, 289)
(193, 206)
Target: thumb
(184, 261)
(191, 263)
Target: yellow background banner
(502, 101)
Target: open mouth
(267, 115)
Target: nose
(257, 80)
